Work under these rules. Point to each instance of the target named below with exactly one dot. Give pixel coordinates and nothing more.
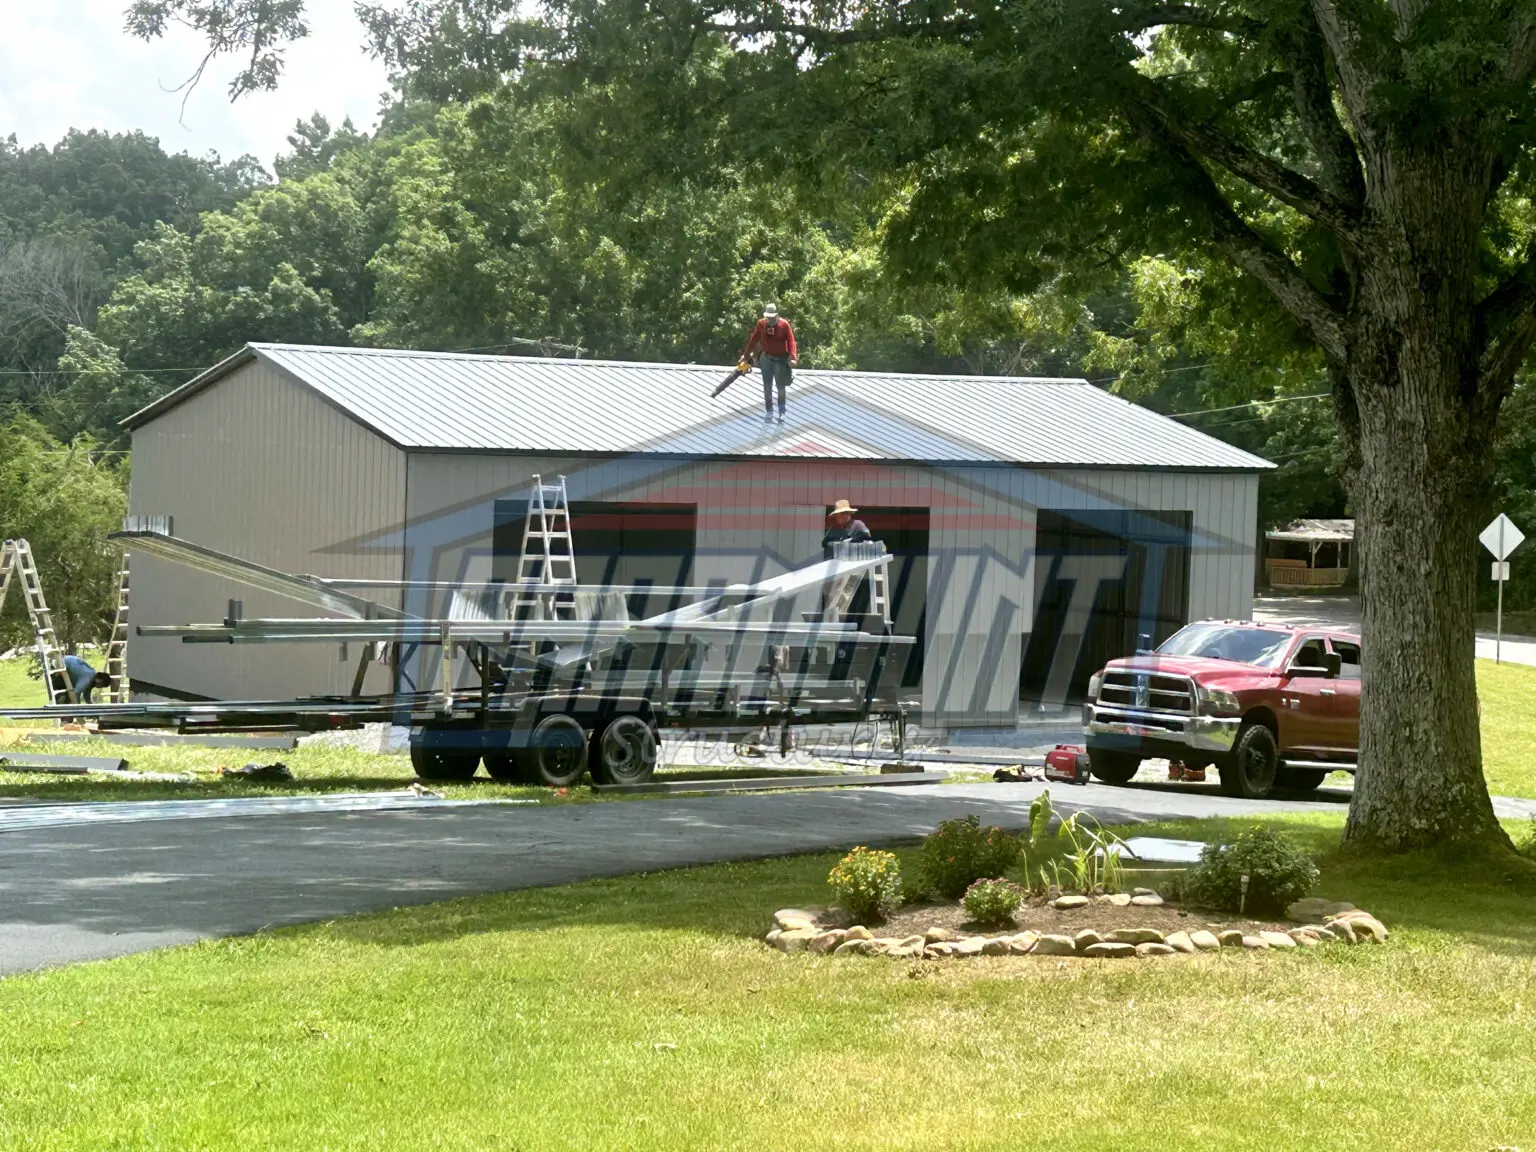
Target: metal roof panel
(468, 402)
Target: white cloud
(69, 64)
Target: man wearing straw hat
(842, 529)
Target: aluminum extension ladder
(117, 647)
(548, 556)
(17, 562)
(841, 591)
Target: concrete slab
(776, 783)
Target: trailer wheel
(434, 761)
(1112, 767)
(505, 767)
(556, 755)
(624, 751)
(1249, 772)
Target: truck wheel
(434, 761)
(1300, 779)
(1249, 772)
(623, 752)
(1112, 767)
(556, 755)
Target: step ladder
(548, 556)
(117, 647)
(17, 564)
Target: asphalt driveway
(93, 891)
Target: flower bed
(1109, 926)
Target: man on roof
(773, 343)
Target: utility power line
(1250, 404)
(92, 371)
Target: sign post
(1501, 538)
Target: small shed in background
(1310, 554)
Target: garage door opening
(904, 532)
(1106, 584)
(621, 544)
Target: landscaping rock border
(1322, 922)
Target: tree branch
(1191, 16)
(946, 29)
(1306, 54)
(1358, 77)
(1520, 52)
(1284, 184)
(1249, 249)
(1506, 322)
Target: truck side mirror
(1334, 663)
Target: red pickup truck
(1268, 705)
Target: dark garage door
(624, 544)
(1106, 583)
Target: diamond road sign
(1501, 537)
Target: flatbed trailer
(551, 699)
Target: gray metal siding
(263, 468)
(758, 517)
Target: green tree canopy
(63, 499)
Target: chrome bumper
(1132, 725)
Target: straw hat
(841, 506)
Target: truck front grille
(1148, 692)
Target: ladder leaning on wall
(17, 563)
(117, 647)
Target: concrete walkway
(88, 892)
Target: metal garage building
(1040, 526)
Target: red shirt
(775, 343)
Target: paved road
(1344, 612)
(95, 891)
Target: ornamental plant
(959, 852)
(992, 901)
(867, 883)
(1278, 873)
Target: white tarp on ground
(25, 816)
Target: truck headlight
(1217, 701)
(1094, 683)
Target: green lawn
(317, 770)
(1508, 695)
(643, 1013)
(17, 689)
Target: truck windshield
(1224, 642)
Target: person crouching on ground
(83, 678)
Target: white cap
(771, 312)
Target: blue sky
(69, 64)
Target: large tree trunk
(1420, 489)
